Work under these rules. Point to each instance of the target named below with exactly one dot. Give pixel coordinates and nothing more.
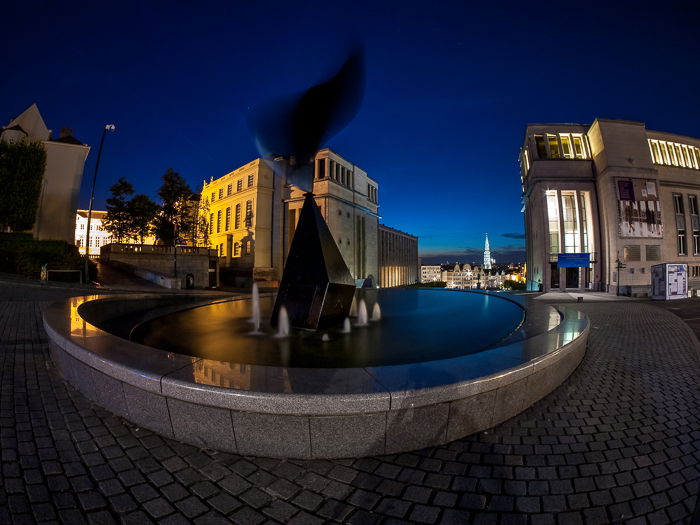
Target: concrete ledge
(321, 413)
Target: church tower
(487, 254)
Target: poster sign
(626, 189)
(639, 218)
(573, 260)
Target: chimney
(65, 132)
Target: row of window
(229, 188)
(95, 242)
(227, 218)
(633, 252)
(239, 248)
(336, 171)
(561, 146)
(372, 194)
(682, 241)
(674, 154)
(93, 226)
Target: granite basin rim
(322, 399)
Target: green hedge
(23, 255)
(21, 170)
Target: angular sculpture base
(316, 288)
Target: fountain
(438, 366)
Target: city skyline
(447, 94)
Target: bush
(21, 170)
(513, 285)
(21, 254)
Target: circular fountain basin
(343, 408)
(417, 325)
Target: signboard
(573, 260)
(669, 281)
(626, 189)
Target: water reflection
(416, 325)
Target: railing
(155, 249)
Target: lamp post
(108, 127)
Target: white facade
(60, 187)
(430, 274)
(98, 236)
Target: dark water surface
(416, 325)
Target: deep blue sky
(449, 88)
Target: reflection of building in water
(615, 190)
(240, 376)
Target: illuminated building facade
(60, 185)
(626, 195)
(430, 273)
(398, 258)
(98, 236)
(252, 215)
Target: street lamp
(108, 127)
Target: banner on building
(573, 260)
(639, 208)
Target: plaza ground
(618, 442)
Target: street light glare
(110, 127)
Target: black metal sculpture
(316, 287)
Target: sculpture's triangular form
(316, 287)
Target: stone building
(398, 258)
(605, 202)
(253, 213)
(98, 236)
(430, 273)
(60, 186)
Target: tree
(142, 212)
(202, 238)
(174, 211)
(117, 221)
(22, 167)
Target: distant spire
(487, 254)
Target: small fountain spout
(346, 326)
(376, 312)
(283, 323)
(362, 313)
(353, 307)
(256, 309)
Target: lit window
(553, 217)
(239, 184)
(221, 193)
(250, 180)
(213, 195)
(553, 146)
(218, 221)
(237, 218)
(580, 149)
(566, 145)
(229, 190)
(248, 213)
(227, 224)
(211, 223)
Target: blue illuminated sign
(573, 260)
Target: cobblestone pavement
(618, 443)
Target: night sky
(449, 89)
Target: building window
(213, 195)
(250, 181)
(211, 223)
(553, 218)
(239, 185)
(553, 146)
(229, 190)
(221, 193)
(681, 242)
(674, 154)
(236, 249)
(694, 222)
(248, 214)
(541, 148)
(572, 240)
(321, 170)
(633, 253)
(218, 221)
(653, 252)
(227, 224)
(237, 218)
